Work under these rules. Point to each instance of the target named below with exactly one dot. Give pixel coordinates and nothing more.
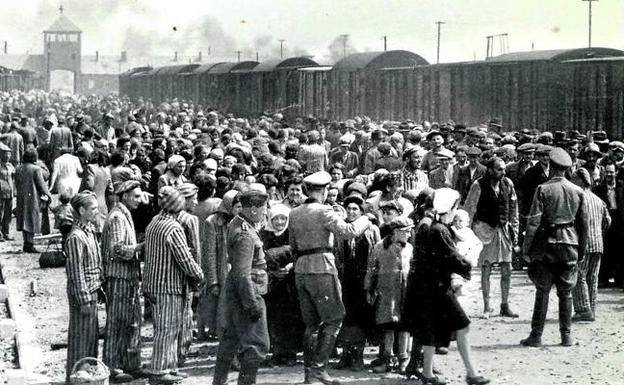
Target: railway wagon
(275, 86)
(546, 90)
(171, 80)
(127, 81)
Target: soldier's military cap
(401, 223)
(560, 157)
(320, 179)
(473, 151)
(526, 147)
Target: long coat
(30, 186)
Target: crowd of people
(277, 236)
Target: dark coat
(30, 186)
(464, 180)
(532, 178)
(432, 311)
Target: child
(64, 214)
(468, 245)
(385, 285)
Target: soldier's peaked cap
(319, 179)
(251, 195)
(560, 157)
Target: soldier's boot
(324, 348)
(309, 346)
(538, 320)
(248, 373)
(222, 368)
(565, 320)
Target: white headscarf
(278, 209)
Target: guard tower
(62, 49)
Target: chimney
(199, 56)
(6, 47)
(97, 56)
(124, 56)
(175, 56)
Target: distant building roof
(556, 54)
(63, 24)
(379, 60)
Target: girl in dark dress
(353, 260)
(435, 311)
(283, 314)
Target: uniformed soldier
(312, 227)
(246, 332)
(555, 239)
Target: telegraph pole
(344, 44)
(385, 39)
(439, 23)
(282, 48)
(590, 20)
(239, 54)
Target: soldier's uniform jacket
(311, 229)
(247, 278)
(558, 216)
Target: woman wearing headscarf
(31, 188)
(283, 315)
(174, 176)
(352, 260)
(436, 313)
(214, 262)
(97, 178)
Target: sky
(314, 28)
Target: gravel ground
(596, 358)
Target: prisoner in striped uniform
(190, 224)
(170, 271)
(84, 280)
(122, 269)
(599, 220)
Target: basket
(100, 380)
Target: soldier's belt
(556, 226)
(315, 250)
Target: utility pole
(489, 47)
(590, 20)
(385, 39)
(439, 23)
(282, 48)
(344, 44)
(257, 57)
(238, 53)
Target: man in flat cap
(442, 176)
(246, 332)
(170, 272)
(533, 177)
(60, 137)
(122, 269)
(591, 154)
(14, 140)
(469, 174)
(554, 242)
(430, 160)
(84, 280)
(312, 227)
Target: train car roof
(556, 55)
(176, 69)
(205, 67)
(379, 60)
(224, 68)
(283, 64)
(135, 70)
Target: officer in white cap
(555, 239)
(312, 226)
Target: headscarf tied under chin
(278, 209)
(174, 160)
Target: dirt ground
(597, 357)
